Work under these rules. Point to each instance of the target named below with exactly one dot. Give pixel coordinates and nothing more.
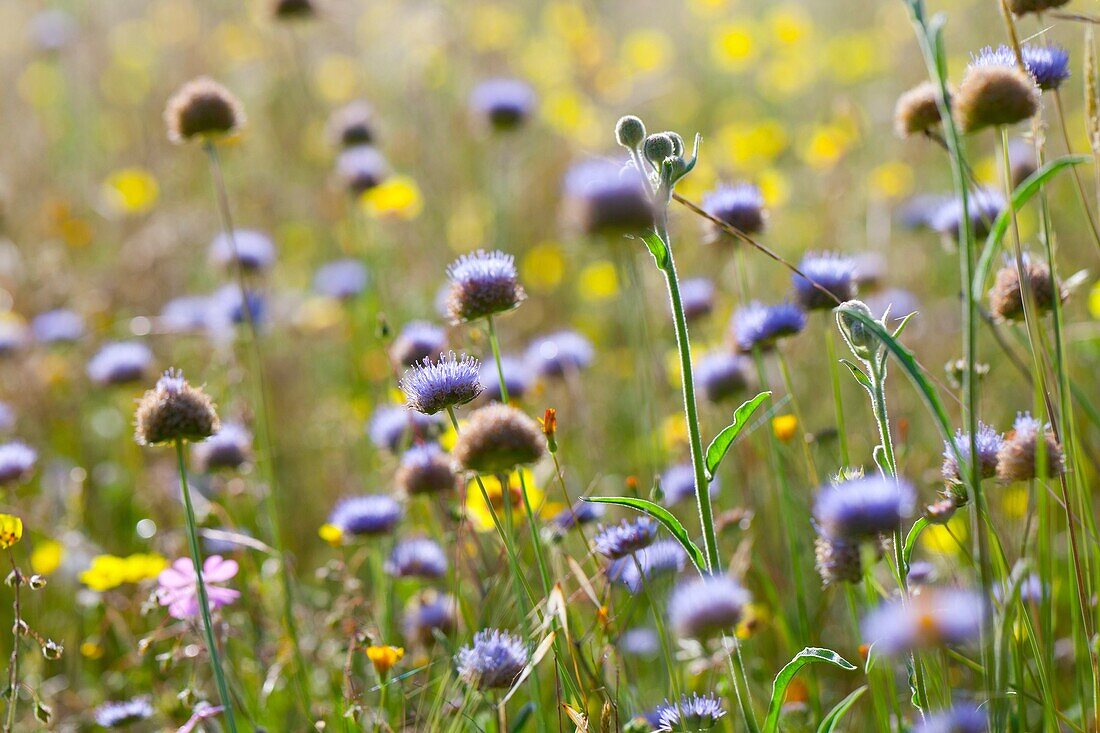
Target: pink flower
(179, 591)
(203, 710)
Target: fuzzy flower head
(984, 205)
(361, 168)
(698, 296)
(992, 94)
(498, 438)
(740, 205)
(582, 512)
(174, 410)
(57, 326)
(505, 104)
(959, 719)
(392, 427)
(252, 250)
(605, 198)
(425, 469)
(559, 354)
(418, 341)
(293, 10)
(341, 279)
(917, 110)
(690, 714)
(483, 284)
(120, 362)
(419, 557)
(17, 460)
(721, 375)
(518, 377)
(759, 326)
(937, 617)
(493, 661)
(428, 614)
(352, 124)
(1047, 64)
(837, 561)
(123, 713)
(707, 606)
(834, 272)
(228, 449)
(1019, 456)
(1006, 297)
(177, 586)
(202, 109)
(1021, 7)
(431, 387)
(663, 557)
(678, 484)
(364, 516)
(863, 508)
(625, 538)
(989, 443)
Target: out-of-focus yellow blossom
(566, 112)
(397, 197)
(1094, 301)
(853, 57)
(91, 650)
(41, 84)
(755, 615)
(449, 437)
(543, 267)
(825, 146)
(53, 369)
(46, 556)
(708, 8)
(319, 314)
(786, 75)
(598, 281)
(1014, 502)
(753, 144)
(494, 27)
(109, 571)
(132, 45)
(331, 534)
(892, 180)
(774, 187)
(733, 46)
(945, 539)
(785, 426)
(470, 218)
(790, 25)
(384, 658)
(375, 364)
(567, 18)
(130, 191)
(337, 78)
(11, 530)
(674, 432)
(987, 171)
(647, 50)
(478, 511)
(238, 43)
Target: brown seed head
(1006, 300)
(990, 96)
(174, 410)
(202, 108)
(498, 438)
(916, 111)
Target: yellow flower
(91, 650)
(11, 530)
(598, 281)
(543, 267)
(384, 658)
(331, 534)
(46, 556)
(948, 539)
(397, 197)
(674, 432)
(647, 50)
(892, 180)
(142, 566)
(130, 191)
(785, 426)
(105, 572)
(478, 511)
(733, 46)
(1094, 301)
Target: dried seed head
(294, 9)
(353, 124)
(1018, 458)
(498, 438)
(916, 111)
(1022, 7)
(837, 561)
(994, 95)
(174, 410)
(1006, 300)
(202, 108)
(425, 469)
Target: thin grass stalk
(200, 583)
(838, 402)
(16, 633)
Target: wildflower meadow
(550, 365)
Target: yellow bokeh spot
(945, 539)
(789, 25)
(1014, 502)
(130, 191)
(892, 180)
(46, 556)
(337, 78)
(331, 534)
(733, 46)
(825, 146)
(785, 426)
(11, 530)
(674, 432)
(1094, 301)
(478, 512)
(41, 84)
(598, 281)
(91, 650)
(494, 27)
(397, 197)
(647, 50)
(774, 187)
(543, 267)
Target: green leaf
(662, 515)
(859, 374)
(1023, 193)
(911, 542)
(520, 721)
(783, 679)
(718, 447)
(830, 721)
(657, 248)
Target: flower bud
(861, 339)
(630, 131)
(658, 147)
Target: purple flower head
(706, 606)
(57, 326)
(625, 538)
(760, 326)
(697, 294)
(391, 427)
(428, 614)
(663, 557)
(583, 512)
(418, 340)
(120, 362)
(17, 461)
(559, 354)
(13, 335)
(936, 617)
(695, 713)
(431, 387)
(834, 272)
(177, 586)
(494, 660)
(186, 314)
(721, 375)
(740, 205)
(483, 284)
(229, 448)
(921, 572)
(341, 279)
(678, 484)
(1047, 64)
(360, 168)
(984, 205)
(227, 306)
(863, 508)
(371, 514)
(504, 103)
(959, 719)
(989, 444)
(123, 713)
(641, 641)
(419, 557)
(517, 377)
(602, 197)
(251, 249)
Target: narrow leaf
(783, 679)
(662, 515)
(657, 248)
(911, 542)
(718, 447)
(859, 374)
(830, 721)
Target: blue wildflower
(721, 375)
(863, 508)
(984, 205)
(504, 103)
(663, 557)
(936, 617)
(582, 512)
(352, 125)
(834, 272)
(559, 354)
(605, 198)
(625, 538)
(229, 448)
(120, 362)
(17, 461)
(678, 484)
(250, 249)
(123, 713)
(690, 714)
(57, 326)
(391, 427)
(483, 284)
(186, 314)
(640, 641)
(1047, 64)
(419, 557)
(341, 279)
(431, 387)
(361, 168)
(517, 378)
(1018, 457)
(425, 469)
(759, 326)
(706, 606)
(697, 294)
(740, 205)
(989, 443)
(959, 719)
(494, 660)
(13, 335)
(428, 614)
(418, 340)
(371, 514)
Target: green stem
(204, 602)
(834, 377)
(13, 665)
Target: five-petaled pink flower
(179, 591)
